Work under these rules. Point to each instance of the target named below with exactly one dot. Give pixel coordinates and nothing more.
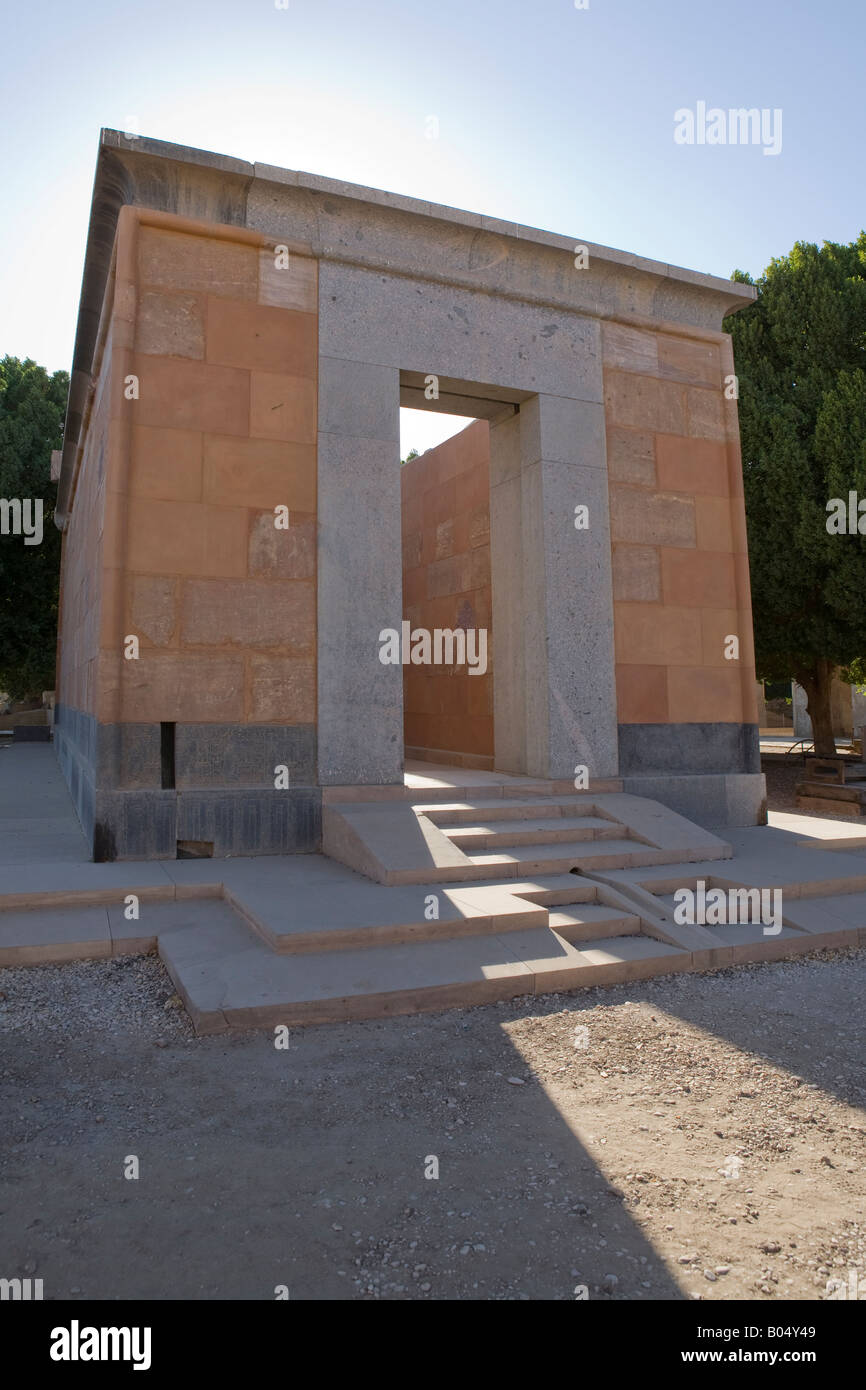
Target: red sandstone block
(414, 585)
(260, 473)
(629, 349)
(153, 609)
(411, 549)
(282, 554)
(443, 541)
(636, 573)
(717, 626)
(698, 579)
(714, 523)
(179, 394)
(704, 695)
(450, 576)
(261, 338)
(690, 360)
(631, 457)
(292, 286)
(249, 613)
(645, 403)
(706, 413)
(439, 502)
(185, 538)
(698, 466)
(282, 407)
(194, 687)
(171, 325)
(642, 694)
(472, 489)
(479, 696)
(651, 518)
(479, 527)
(177, 260)
(479, 567)
(282, 690)
(655, 635)
(166, 464)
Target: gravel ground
(695, 1136)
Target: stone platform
(473, 889)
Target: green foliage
(412, 454)
(855, 674)
(800, 356)
(32, 406)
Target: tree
(32, 406)
(800, 356)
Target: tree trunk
(818, 685)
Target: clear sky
(558, 117)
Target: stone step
(562, 858)
(556, 830)
(427, 790)
(228, 977)
(588, 922)
(474, 812)
(481, 791)
(556, 890)
(397, 843)
(363, 915)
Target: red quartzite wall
(680, 566)
(172, 540)
(678, 534)
(448, 713)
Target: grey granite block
(651, 749)
(234, 756)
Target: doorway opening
(448, 717)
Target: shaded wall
(445, 495)
(81, 604)
(183, 743)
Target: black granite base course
(679, 749)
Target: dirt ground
(699, 1136)
(783, 772)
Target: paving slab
(553, 830)
(50, 936)
(772, 864)
(38, 823)
(816, 828)
(848, 908)
(131, 936)
(35, 841)
(228, 978)
(362, 914)
(59, 884)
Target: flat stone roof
(196, 183)
(272, 173)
